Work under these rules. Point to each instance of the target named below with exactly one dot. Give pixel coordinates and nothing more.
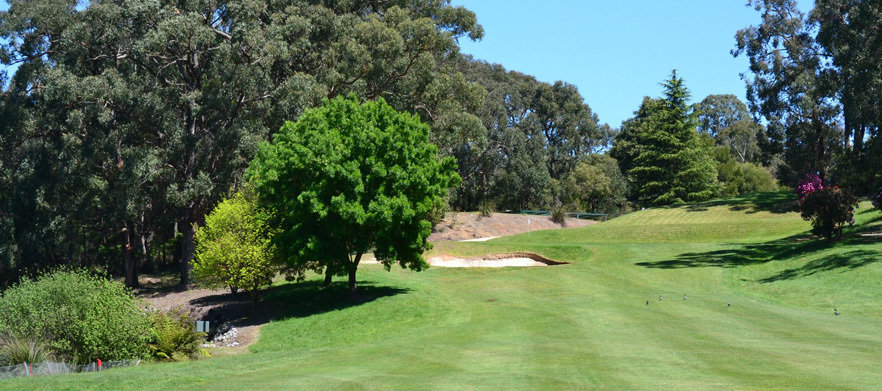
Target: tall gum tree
(817, 77)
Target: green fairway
(585, 325)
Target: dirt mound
(465, 226)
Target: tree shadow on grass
(851, 260)
(777, 202)
(290, 300)
(747, 255)
(783, 249)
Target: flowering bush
(810, 184)
(829, 209)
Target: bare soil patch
(465, 226)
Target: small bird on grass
(659, 298)
(647, 302)
(728, 304)
(684, 297)
(835, 311)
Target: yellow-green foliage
(233, 248)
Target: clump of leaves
(486, 209)
(15, 350)
(829, 209)
(173, 336)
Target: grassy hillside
(584, 325)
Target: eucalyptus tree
(717, 112)
(728, 121)
(817, 78)
(160, 105)
(532, 132)
(849, 33)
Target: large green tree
(348, 178)
(150, 111)
(672, 163)
(817, 78)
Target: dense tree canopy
(131, 118)
(718, 112)
(530, 133)
(346, 179)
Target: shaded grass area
(774, 202)
(758, 318)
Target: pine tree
(674, 164)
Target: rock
(225, 335)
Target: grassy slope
(584, 325)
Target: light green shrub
(234, 248)
(80, 316)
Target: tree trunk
(353, 287)
(821, 148)
(130, 264)
(187, 250)
(859, 140)
(328, 277)
(353, 267)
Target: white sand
(495, 260)
(481, 239)
(503, 262)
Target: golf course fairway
(724, 295)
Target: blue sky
(617, 52)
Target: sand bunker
(495, 260)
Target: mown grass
(586, 325)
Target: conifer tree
(674, 163)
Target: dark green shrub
(829, 209)
(78, 314)
(15, 351)
(173, 336)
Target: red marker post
(99, 363)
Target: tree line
(125, 123)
